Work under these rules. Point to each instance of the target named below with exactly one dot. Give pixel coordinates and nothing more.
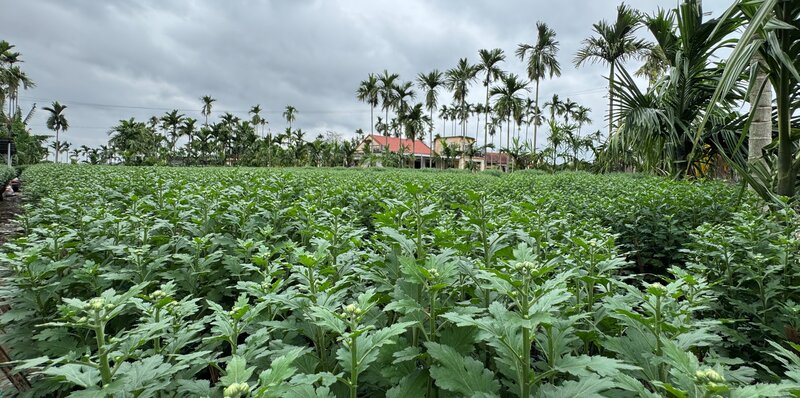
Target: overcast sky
(112, 60)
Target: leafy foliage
(244, 282)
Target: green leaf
(236, 371)
(413, 385)
(280, 369)
(79, 375)
(587, 387)
(586, 366)
(461, 374)
(764, 390)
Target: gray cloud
(108, 60)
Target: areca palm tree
(613, 44)
(414, 122)
(207, 101)
(387, 92)
(188, 129)
(581, 117)
(542, 63)
(171, 121)
(368, 92)
(256, 119)
(661, 126)
(458, 80)
(13, 78)
(489, 66)
(508, 100)
(568, 109)
(773, 31)
(430, 83)
(290, 114)
(57, 122)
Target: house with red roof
(379, 144)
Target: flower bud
(231, 390)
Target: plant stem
(102, 353)
(354, 366)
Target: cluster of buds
(236, 390)
(351, 311)
(526, 267)
(434, 273)
(711, 379)
(157, 295)
(657, 289)
(234, 311)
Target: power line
(116, 106)
(237, 111)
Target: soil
(10, 207)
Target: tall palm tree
(528, 107)
(255, 119)
(207, 101)
(189, 129)
(403, 93)
(430, 83)
(568, 109)
(458, 80)
(57, 122)
(13, 78)
(613, 44)
(556, 106)
(581, 117)
(414, 122)
(289, 115)
(508, 100)
(387, 91)
(170, 122)
(542, 63)
(368, 92)
(488, 65)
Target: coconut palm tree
(57, 122)
(542, 63)
(489, 66)
(508, 100)
(458, 80)
(613, 44)
(387, 91)
(207, 101)
(430, 83)
(368, 92)
(289, 114)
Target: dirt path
(10, 207)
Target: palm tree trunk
(786, 177)
(58, 146)
(485, 121)
(761, 126)
(413, 153)
(371, 120)
(508, 139)
(536, 119)
(611, 100)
